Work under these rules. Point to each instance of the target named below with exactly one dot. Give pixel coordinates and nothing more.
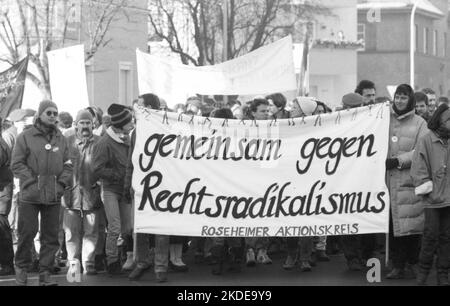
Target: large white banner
(68, 79)
(304, 177)
(266, 70)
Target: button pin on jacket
(395, 139)
(48, 147)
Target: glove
(392, 163)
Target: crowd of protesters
(66, 195)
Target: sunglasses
(50, 113)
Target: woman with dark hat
(406, 222)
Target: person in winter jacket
(278, 103)
(406, 222)
(161, 242)
(41, 162)
(109, 165)
(431, 178)
(82, 202)
(6, 183)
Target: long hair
(435, 120)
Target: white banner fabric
(266, 70)
(313, 176)
(68, 79)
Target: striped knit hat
(120, 115)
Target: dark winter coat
(42, 164)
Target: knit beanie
(120, 115)
(352, 100)
(84, 114)
(44, 105)
(307, 105)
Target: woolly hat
(66, 119)
(307, 104)
(352, 100)
(44, 105)
(84, 114)
(120, 115)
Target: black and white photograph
(224, 151)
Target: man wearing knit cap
(82, 203)
(41, 162)
(352, 100)
(109, 164)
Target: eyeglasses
(50, 113)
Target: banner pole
(387, 250)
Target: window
(90, 79)
(444, 46)
(125, 83)
(361, 35)
(425, 40)
(417, 38)
(435, 42)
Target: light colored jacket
(406, 208)
(430, 171)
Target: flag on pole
(12, 84)
(303, 80)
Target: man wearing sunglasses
(41, 162)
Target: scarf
(48, 130)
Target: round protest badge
(48, 147)
(395, 139)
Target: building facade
(386, 57)
(111, 73)
(333, 57)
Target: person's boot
(263, 257)
(313, 260)
(305, 266)
(138, 272)
(250, 258)
(218, 253)
(442, 278)
(289, 264)
(74, 267)
(175, 262)
(45, 280)
(422, 276)
(21, 277)
(100, 263)
(322, 256)
(6, 270)
(34, 268)
(411, 271)
(114, 269)
(396, 274)
(89, 269)
(161, 277)
(236, 256)
(129, 263)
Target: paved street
(333, 273)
